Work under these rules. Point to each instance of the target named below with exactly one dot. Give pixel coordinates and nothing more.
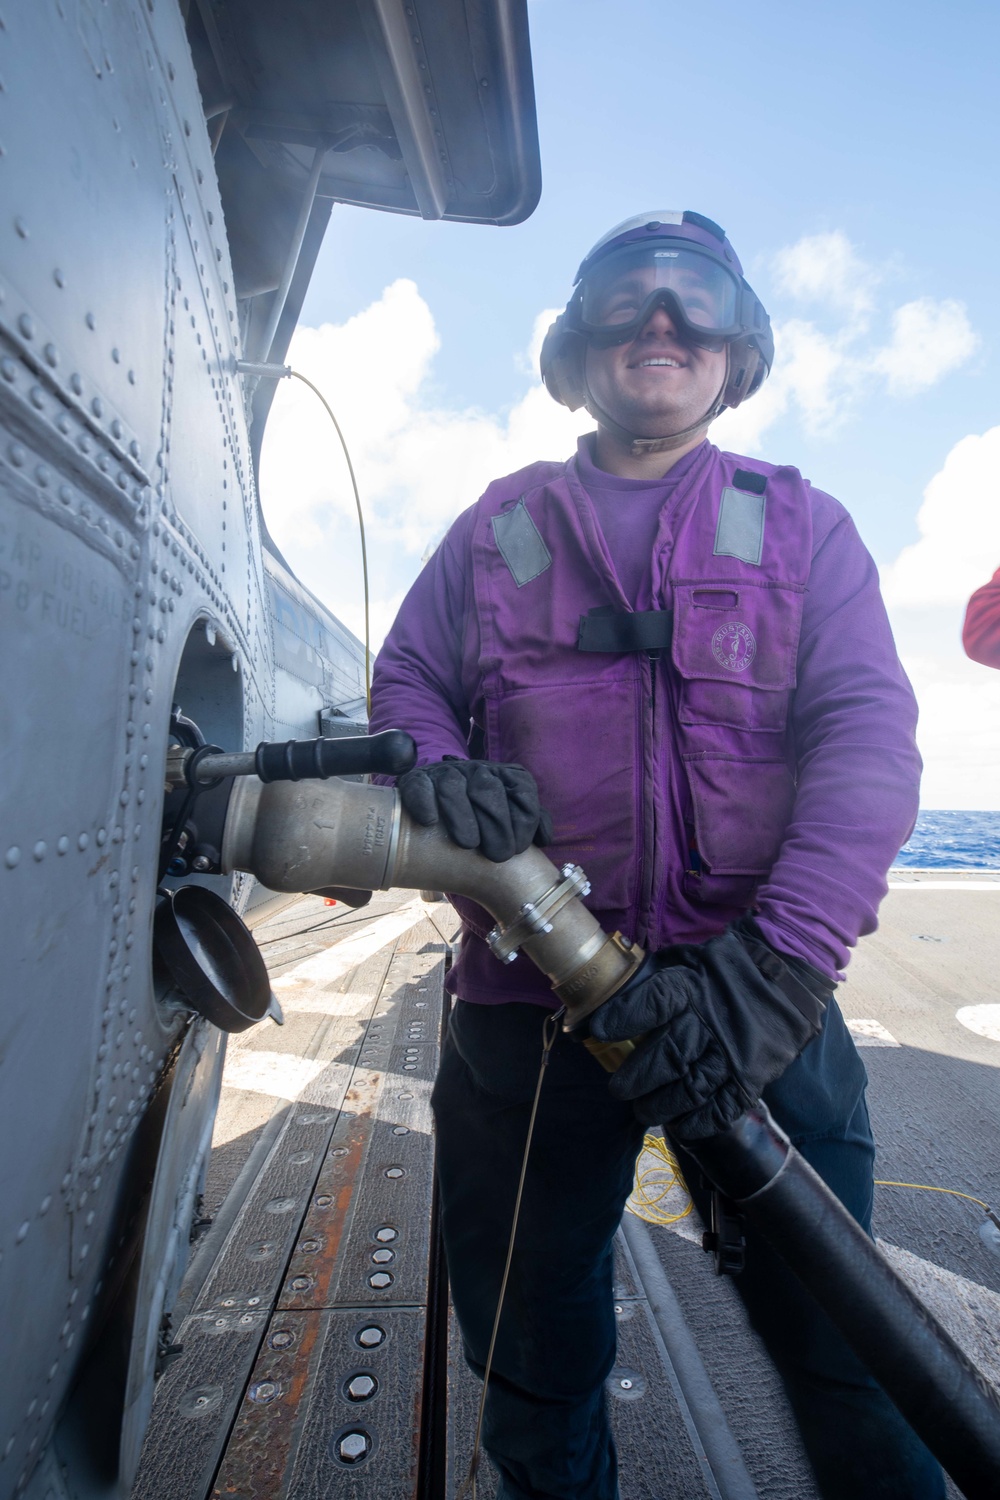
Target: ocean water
(953, 841)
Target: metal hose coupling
(299, 836)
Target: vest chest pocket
(735, 647)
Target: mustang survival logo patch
(734, 646)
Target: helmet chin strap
(638, 446)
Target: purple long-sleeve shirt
(852, 722)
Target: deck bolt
(362, 1387)
(354, 1446)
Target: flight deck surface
(305, 1372)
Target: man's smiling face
(659, 383)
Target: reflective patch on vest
(734, 646)
(740, 532)
(520, 544)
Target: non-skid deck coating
(277, 1342)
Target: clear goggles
(707, 299)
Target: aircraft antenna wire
(361, 527)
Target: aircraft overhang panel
(427, 105)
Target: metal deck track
(304, 1350)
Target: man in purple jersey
(681, 656)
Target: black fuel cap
(213, 960)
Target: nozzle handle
(389, 754)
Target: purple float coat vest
(674, 783)
(588, 726)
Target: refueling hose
(946, 1400)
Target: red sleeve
(981, 631)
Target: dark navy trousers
(546, 1426)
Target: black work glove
(718, 1022)
(483, 805)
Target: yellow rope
(657, 1176)
(924, 1187)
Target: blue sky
(850, 151)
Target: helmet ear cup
(748, 369)
(562, 364)
(745, 372)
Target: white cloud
(929, 339)
(959, 728)
(816, 376)
(826, 363)
(959, 525)
(926, 590)
(826, 268)
(418, 464)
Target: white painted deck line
(867, 1033)
(336, 961)
(970, 1312)
(283, 1075)
(984, 1020)
(944, 885)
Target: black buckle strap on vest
(617, 632)
(746, 479)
